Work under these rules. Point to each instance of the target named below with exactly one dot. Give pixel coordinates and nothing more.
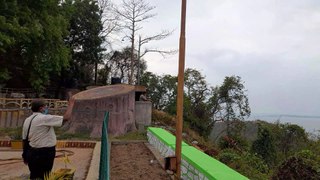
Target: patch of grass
(13, 133)
(16, 134)
(136, 135)
(62, 135)
(75, 136)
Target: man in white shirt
(42, 139)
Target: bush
(296, 168)
(264, 146)
(247, 164)
(233, 142)
(256, 162)
(163, 118)
(13, 133)
(228, 156)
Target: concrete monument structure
(89, 107)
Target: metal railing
(25, 92)
(22, 103)
(12, 118)
(104, 172)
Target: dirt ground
(134, 161)
(16, 169)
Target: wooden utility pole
(182, 47)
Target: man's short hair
(36, 105)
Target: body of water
(310, 123)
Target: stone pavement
(16, 169)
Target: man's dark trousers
(41, 161)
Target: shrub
(163, 117)
(247, 164)
(303, 165)
(228, 156)
(13, 133)
(264, 146)
(233, 142)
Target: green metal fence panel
(104, 172)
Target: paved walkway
(16, 169)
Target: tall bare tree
(145, 40)
(131, 14)
(110, 20)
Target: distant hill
(311, 123)
(250, 129)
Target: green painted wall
(209, 166)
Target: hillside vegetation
(258, 149)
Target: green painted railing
(104, 172)
(209, 166)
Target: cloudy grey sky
(273, 45)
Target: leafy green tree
(162, 90)
(152, 82)
(84, 39)
(196, 109)
(196, 87)
(32, 46)
(119, 64)
(264, 145)
(197, 117)
(229, 102)
(292, 138)
(168, 88)
(103, 76)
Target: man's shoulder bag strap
(27, 137)
(26, 145)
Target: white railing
(12, 118)
(22, 103)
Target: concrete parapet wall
(194, 163)
(143, 111)
(187, 170)
(164, 150)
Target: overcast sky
(273, 45)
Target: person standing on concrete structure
(38, 130)
(143, 97)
